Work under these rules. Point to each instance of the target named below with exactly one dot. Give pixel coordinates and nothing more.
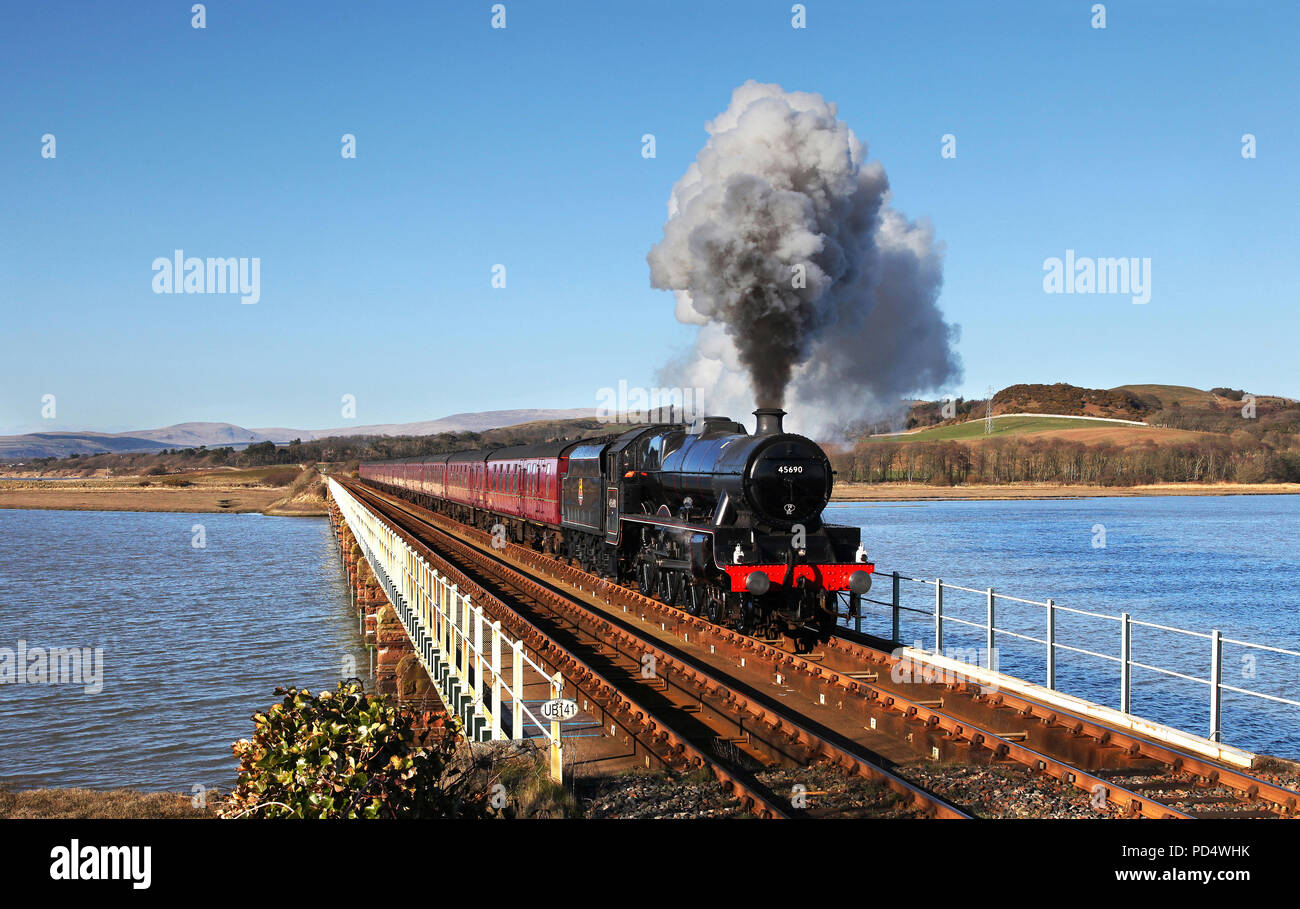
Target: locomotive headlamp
(758, 583)
(859, 582)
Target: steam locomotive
(707, 517)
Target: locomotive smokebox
(769, 421)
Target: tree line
(1240, 458)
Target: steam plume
(808, 287)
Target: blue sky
(522, 147)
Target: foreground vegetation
(349, 754)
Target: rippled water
(1201, 563)
(194, 640)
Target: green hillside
(1002, 426)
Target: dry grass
(305, 496)
(222, 489)
(93, 803)
(136, 498)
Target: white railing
(1050, 613)
(449, 631)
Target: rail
(449, 633)
(1051, 612)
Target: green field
(1002, 426)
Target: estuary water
(196, 618)
(194, 639)
(1195, 562)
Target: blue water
(194, 640)
(1201, 563)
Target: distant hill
(1071, 400)
(62, 444)
(221, 435)
(1165, 396)
(460, 422)
(1064, 434)
(213, 435)
(1098, 429)
(1177, 407)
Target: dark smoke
(782, 190)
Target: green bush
(347, 754)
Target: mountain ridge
(194, 434)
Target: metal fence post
(557, 753)
(517, 689)
(1126, 667)
(453, 609)
(1051, 645)
(894, 638)
(855, 609)
(478, 661)
(496, 681)
(429, 615)
(1216, 685)
(464, 638)
(440, 603)
(990, 641)
(938, 616)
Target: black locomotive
(721, 523)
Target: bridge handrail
(1125, 658)
(439, 617)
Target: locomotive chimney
(769, 421)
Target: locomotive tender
(711, 519)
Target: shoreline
(116, 495)
(207, 493)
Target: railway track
(1159, 777)
(681, 713)
(945, 720)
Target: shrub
(281, 477)
(347, 754)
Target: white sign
(560, 709)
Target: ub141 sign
(560, 709)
